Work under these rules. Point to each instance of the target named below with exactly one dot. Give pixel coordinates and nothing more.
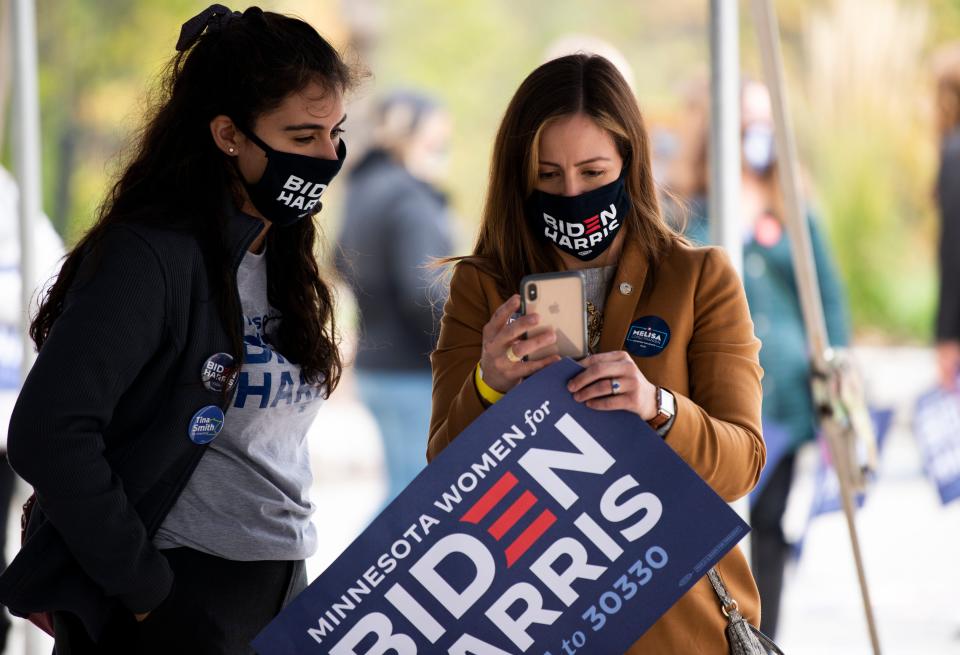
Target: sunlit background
(859, 76)
(861, 91)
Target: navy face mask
(291, 185)
(583, 226)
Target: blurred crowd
(398, 225)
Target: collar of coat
(624, 296)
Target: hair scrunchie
(214, 17)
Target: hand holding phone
(558, 300)
(503, 348)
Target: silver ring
(614, 386)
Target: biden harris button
(218, 373)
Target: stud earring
(231, 150)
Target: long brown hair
(177, 177)
(689, 173)
(507, 247)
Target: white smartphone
(559, 300)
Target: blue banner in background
(544, 522)
(778, 443)
(826, 497)
(936, 426)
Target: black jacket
(948, 199)
(101, 426)
(394, 225)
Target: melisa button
(205, 425)
(218, 373)
(647, 336)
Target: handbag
(744, 638)
(43, 620)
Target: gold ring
(512, 356)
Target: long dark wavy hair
(241, 66)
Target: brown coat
(710, 364)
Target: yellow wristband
(487, 392)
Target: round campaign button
(205, 425)
(218, 373)
(768, 230)
(647, 336)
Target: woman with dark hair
(183, 352)
(571, 146)
(947, 329)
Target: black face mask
(291, 184)
(583, 226)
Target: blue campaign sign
(543, 522)
(826, 496)
(936, 425)
(777, 439)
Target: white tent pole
(834, 406)
(724, 184)
(6, 54)
(26, 155)
(724, 187)
(26, 150)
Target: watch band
(666, 411)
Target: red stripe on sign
(529, 536)
(592, 221)
(493, 496)
(512, 515)
(592, 229)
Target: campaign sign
(777, 439)
(936, 425)
(826, 497)
(544, 526)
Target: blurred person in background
(947, 71)
(396, 223)
(184, 350)
(774, 306)
(573, 143)
(48, 248)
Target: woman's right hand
(499, 336)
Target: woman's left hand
(613, 381)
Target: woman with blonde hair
(572, 144)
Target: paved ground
(910, 542)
